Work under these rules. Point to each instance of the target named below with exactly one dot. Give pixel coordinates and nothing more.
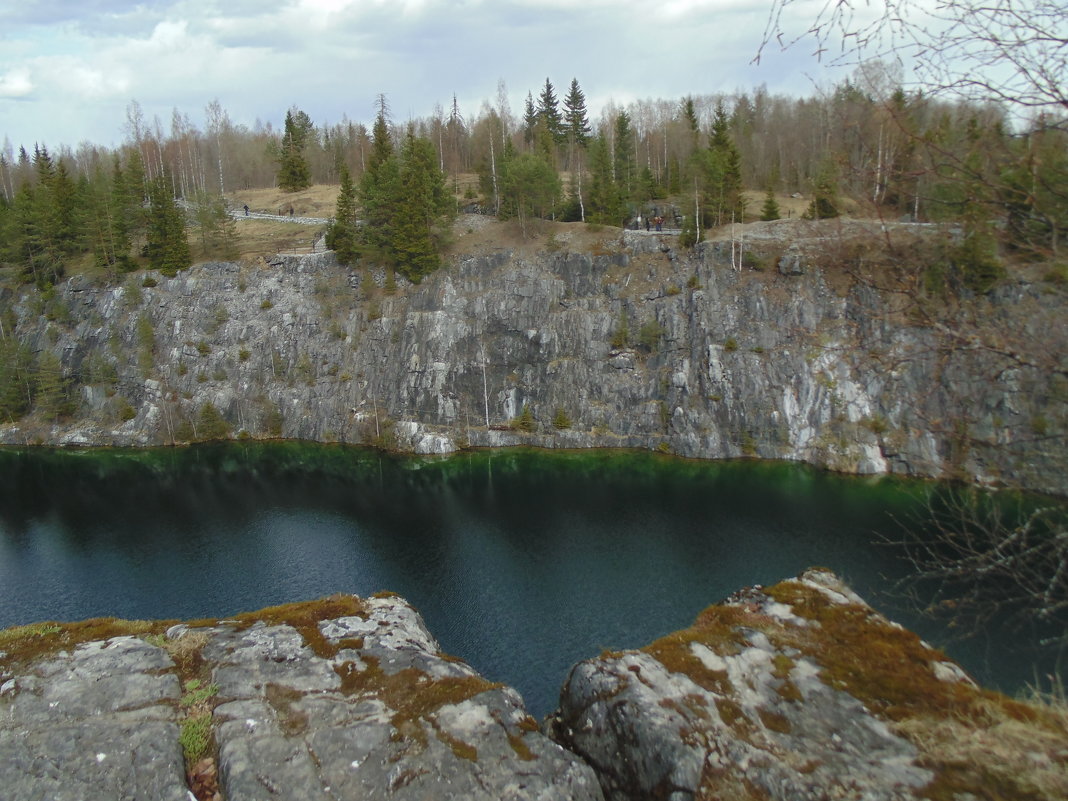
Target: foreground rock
(342, 699)
(802, 691)
(98, 722)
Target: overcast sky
(69, 68)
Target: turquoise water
(522, 562)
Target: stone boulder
(344, 698)
(803, 691)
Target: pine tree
(121, 218)
(293, 171)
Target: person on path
(246, 209)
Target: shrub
(211, 424)
(730, 345)
(524, 421)
(649, 335)
(560, 419)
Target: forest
(866, 147)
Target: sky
(69, 69)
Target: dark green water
(521, 562)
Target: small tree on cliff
(770, 210)
(342, 235)
(168, 247)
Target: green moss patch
(24, 645)
(305, 617)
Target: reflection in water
(521, 562)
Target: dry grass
(265, 238)
(315, 201)
(993, 748)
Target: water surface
(522, 562)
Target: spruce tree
(342, 235)
(423, 206)
(530, 120)
(623, 156)
(724, 200)
(770, 210)
(824, 203)
(604, 204)
(549, 114)
(378, 186)
(576, 120)
(167, 248)
(293, 171)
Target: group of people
(657, 221)
(281, 212)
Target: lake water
(522, 562)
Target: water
(521, 562)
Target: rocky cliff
(802, 691)
(799, 341)
(798, 691)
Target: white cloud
(332, 57)
(16, 83)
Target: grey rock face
(306, 707)
(639, 347)
(797, 692)
(377, 711)
(99, 722)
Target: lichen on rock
(800, 690)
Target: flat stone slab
(340, 699)
(97, 722)
(802, 691)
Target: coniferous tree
(424, 209)
(623, 156)
(122, 218)
(824, 203)
(50, 395)
(167, 248)
(218, 231)
(576, 120)
(342, 235)
(378, 187)
(530, 120)
(530, 187)
(721, 171)
(770, 210)
(549, 114)
(604, 202)
(293, 171)
(16, 377)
